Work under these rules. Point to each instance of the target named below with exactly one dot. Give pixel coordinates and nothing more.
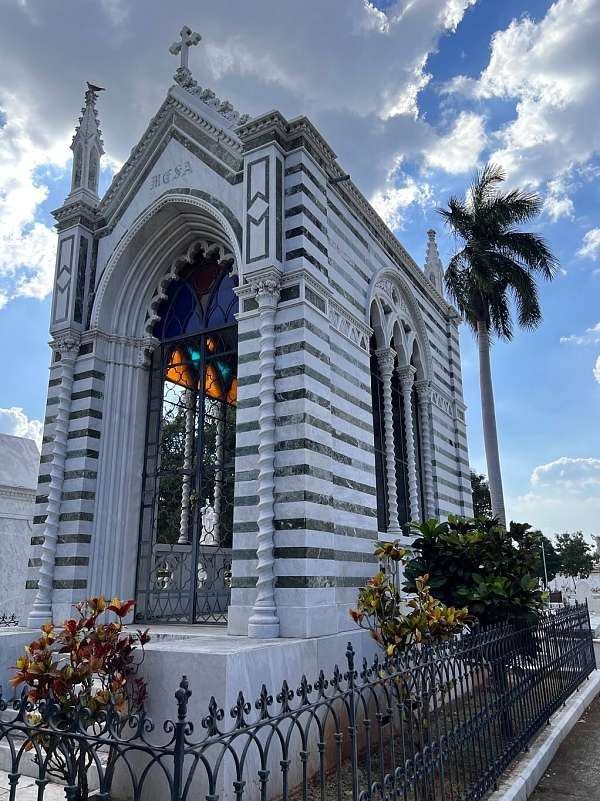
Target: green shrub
(397, 623)
(480, 564)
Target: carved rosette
(386, 359)
(67, 346)
(424, 401)
(407, 377)
(264, 621)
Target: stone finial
(188, 38)
(434, 269)
(183, 77)
(88, 148)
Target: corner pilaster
(65, 349)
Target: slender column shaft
(219, 453)
(407, 377)
(264, 621)
(41, 611)
(424, 402)
(385, 359)
(189, 400)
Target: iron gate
(184, 564)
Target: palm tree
(496, 264)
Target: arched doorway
(186, 527)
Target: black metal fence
(439, 723)
(8, 621)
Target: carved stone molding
(442, 402)
(348, 327)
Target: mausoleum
(251, 379)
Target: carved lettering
(172, 175)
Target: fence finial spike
(182, 697)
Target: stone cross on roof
(188, 39)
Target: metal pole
(544, 563)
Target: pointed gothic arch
(172, 224)
(400, 369)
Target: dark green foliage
(482, 503)
(576, 555)
(497, 262)
(479, 564)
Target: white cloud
(551, 70)
(355, 70)
(590, 247)
(13, 420)
(564, 495)
(27, 246)
(596, 370)
(591, 336)
(460, 149)
(557, 203)
(399, 193)
(567, 473)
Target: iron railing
(438, 723)
(8, 621)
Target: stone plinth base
(219, 665)
(12, 644)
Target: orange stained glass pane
(232, 394)
(178, 372)
(212, 385)
(211, 345)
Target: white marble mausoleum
(251, 379)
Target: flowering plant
(79, 675)
(397, 623)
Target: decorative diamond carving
(257, 209)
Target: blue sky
(413, 96)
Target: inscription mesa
(171, 175)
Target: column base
(263, 624)
(39, 615)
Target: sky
(413, 96)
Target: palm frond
(484, 183)
(457, 217)
(499, 310)
(531, 250)
(521, 285)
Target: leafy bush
(480, 564)
(381, 609)
(82, 674)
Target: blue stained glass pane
(223, 304)
(182, 315)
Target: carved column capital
(145, 351)
(423, 388)
(67, 345)
(406, 375)
(386, 358)
(266, 290)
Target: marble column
(67, 347)
(221, 412)
(407, 378)
(264, 620)
(386, 358)
(424, 403)
(189, 401)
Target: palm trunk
(488, 413)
